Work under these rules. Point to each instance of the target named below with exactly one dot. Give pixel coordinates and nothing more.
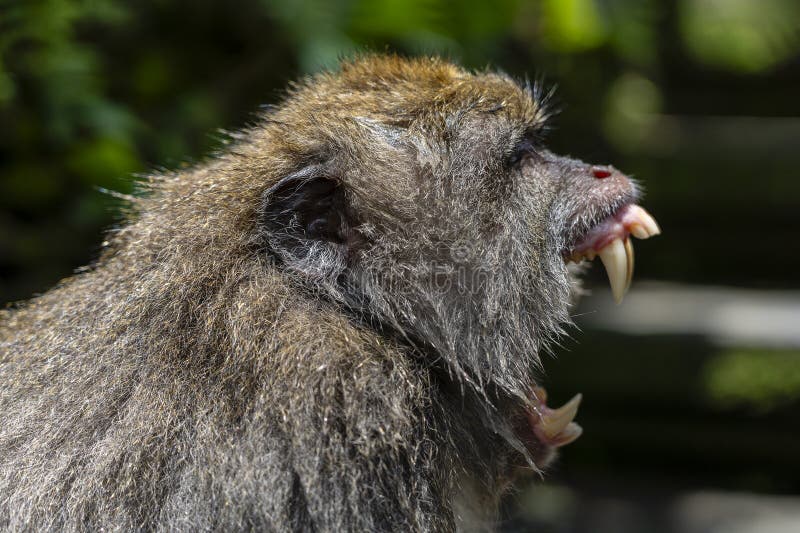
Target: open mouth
(611, 240)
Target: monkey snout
(604, 180)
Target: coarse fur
(333, 325)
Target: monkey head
(422, 199)
(425, 200)
(334, 322)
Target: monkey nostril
(600, 172)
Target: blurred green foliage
(745, 35)
(94, 91)
(760, 379)
(696, 98)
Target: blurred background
(692, 386)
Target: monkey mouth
(554, 427)
(610, 239)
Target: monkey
(333, 324)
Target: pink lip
(630, 219)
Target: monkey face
(432, 208)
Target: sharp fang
(570, 434)
(616, 263)
(557, 421)
(629, 258)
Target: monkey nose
(601, 172)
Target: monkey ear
(306, 220)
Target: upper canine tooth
(615, 260)
(629, 258)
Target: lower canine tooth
(556, 421)
(615, 260)
(568, 435)
(540, 394)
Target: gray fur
(204, 375)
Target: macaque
(333, 325)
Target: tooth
(648, 222)
(570, 433)
(639, 231)
(614, 259)
(629, 258)
(557, 421)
